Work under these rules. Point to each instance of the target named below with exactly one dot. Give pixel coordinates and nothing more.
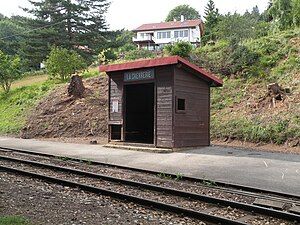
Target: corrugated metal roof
(172, 60)
(169, 25)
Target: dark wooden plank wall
(191, 128)
(164, 110)
(116, 93)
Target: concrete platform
(274, 171)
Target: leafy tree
(212, 18)
(124, 42)
(187, 11)
(9, 70)
(282, 13)
(235, 26)
(120, 41)
(180, 48)
(62, 63)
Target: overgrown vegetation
(15, 105)
(238, 109)
(187, 11)
(62, 63)
(181, 48)
(139, 54)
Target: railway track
(173, 196)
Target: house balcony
(144, 39)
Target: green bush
(62, 63)
(139, 54)
(9, 70)
(243, 58)
(181, 48)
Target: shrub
(62, 63)
(242, 58)
(9, 70)
(181, 48)
(127, 48)
(139, 54)
(228, 58)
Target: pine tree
(212, 18)
(78, 24)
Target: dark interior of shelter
(139, 113)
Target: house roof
(169, 25)
(172, 60)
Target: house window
(181, 33)
(185, 33)
(180, 104)
(163, 35)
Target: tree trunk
(76, 87)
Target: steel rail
(141, 201)
(219, 184)
(208, 199)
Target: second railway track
(215, 206)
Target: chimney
(182, 18)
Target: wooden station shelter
(162, 102)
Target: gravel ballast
(44, 203)
(189, 203)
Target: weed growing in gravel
(87, 161)
(165, 176)
(64, 158)
(179, 176)
(209, 183)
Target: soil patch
(59, 115)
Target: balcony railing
(144, 38)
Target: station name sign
(139, 75)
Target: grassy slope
(236, 108)
(25, 93)
(29, 81)
(14, 106)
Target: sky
(130, 14)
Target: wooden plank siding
(191, 127)
(164, 106)
(116, 93)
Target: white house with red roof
(154, 36)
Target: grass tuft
(13, 220)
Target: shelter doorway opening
(139, 113)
